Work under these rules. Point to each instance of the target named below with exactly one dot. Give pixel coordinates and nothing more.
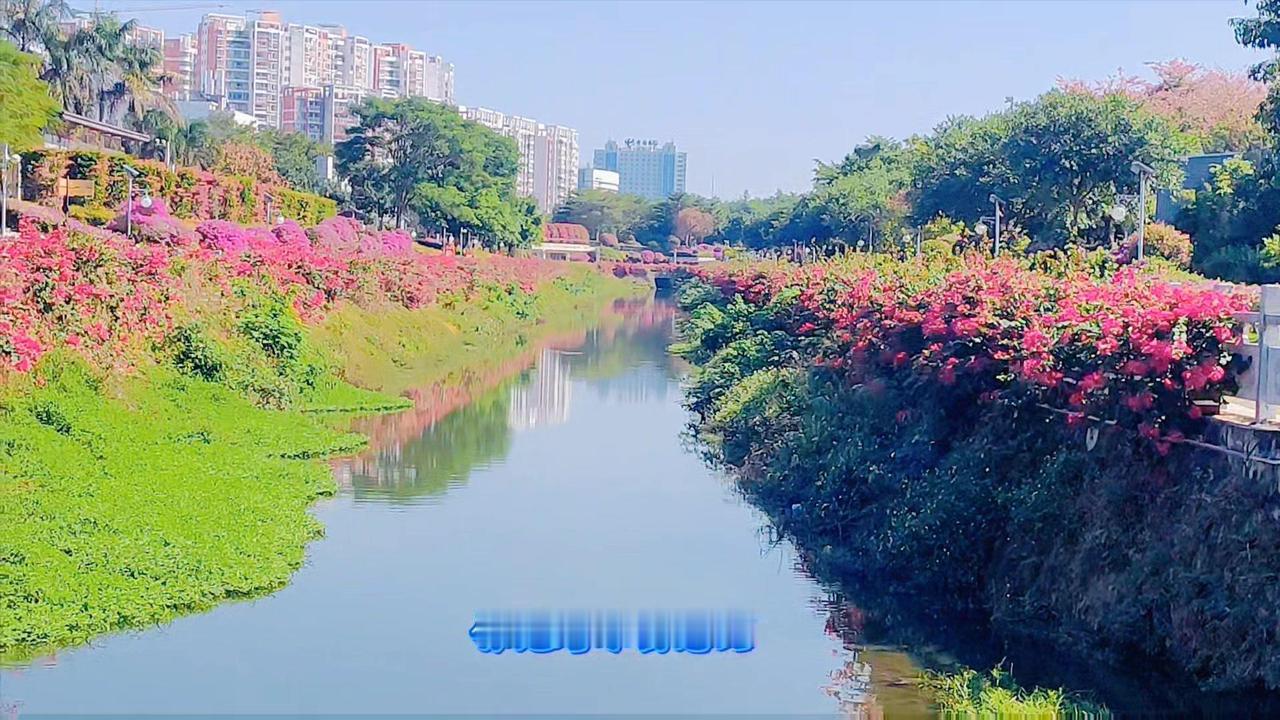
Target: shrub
(95, 215)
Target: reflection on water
(542, 399)
(555, 481)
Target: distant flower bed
(98, 292)
(191, 194)
(1133, 347)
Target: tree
(396, 146)
(31, 23)
(25, 105)
(603, 211)
(295, 155)
(1220, 108)
(693, 224)
(414, 160)
(1059, 162)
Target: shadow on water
(893, 637)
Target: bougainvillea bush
(1011, 440)
(100, 294)
(1131, 346)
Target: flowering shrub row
(191, 193)
(98, 292)
(1133, 347)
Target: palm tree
(138, 86)
(31, 23)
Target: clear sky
(755, 91)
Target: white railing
(1260, 343)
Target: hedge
(191, 193)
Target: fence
(1260, 346)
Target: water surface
(566, 486)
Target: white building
(595, 179)
(439, 80)
(555, 166)
(249, 64)
(521, 129)
(548, 169)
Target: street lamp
(128, 205)
(6, 159)
(995, 200)
(1145, 173)
(980, 229)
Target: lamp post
(128, 205)
(1145, 173)
(6, 158)
(266, 215)
(999, 204)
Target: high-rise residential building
(180, 67)
(439, 80)
(138, 35)
(310, 55)
(548, 169)
(246, 64)
(555, 166)
(223, 58)
(338, 115)
(268, 61)
(595, 179)
(645, 167)
(521, 129)
(304, 110)
(399, 71)
(354, 63)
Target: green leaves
(26, 105)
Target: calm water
(566, 486)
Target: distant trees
(1217, 107)
(1060, 162)
(693, 224)
(601, 211)
(25, 105)
(415, 160)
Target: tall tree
(30, 24)
(414, 160)
(25, 105)
(1059, 162)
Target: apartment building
(248, 64)
(180, 67)
(555, 166)
(268, 63)
(521, 129)
(223, 57)
(339, 101)
(439, 82)
(305, 110)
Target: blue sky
(755, 91)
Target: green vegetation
(126, 500)
(413, 160)
(25, 105)
(969, 694)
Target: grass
(968, 694)
(128, 501)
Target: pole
(997, 204)
(128, 209)
(919, 238)
(4, 190)
(1142, 214)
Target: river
(568, 485)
